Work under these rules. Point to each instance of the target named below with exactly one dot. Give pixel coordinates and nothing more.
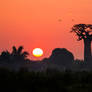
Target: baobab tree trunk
(87, 49)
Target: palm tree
(84, 31)
(18, 53)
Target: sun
(37, 52)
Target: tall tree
(84, 32)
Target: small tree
(18, 53)
(84, 31)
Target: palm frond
(14, 50)
(25, 54)
(20, 50)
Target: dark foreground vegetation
(49, 81)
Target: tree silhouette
(18, 53)
(84, 31)
(62, 57)
(5, 56)
(14, 60)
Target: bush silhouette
(61, 56)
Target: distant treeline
(48, 81)
(61, 59)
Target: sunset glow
(43, 23)
(37, 52)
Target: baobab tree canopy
(83, 31)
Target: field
(49, 81)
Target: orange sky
(43, 23)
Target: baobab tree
(84, 32)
